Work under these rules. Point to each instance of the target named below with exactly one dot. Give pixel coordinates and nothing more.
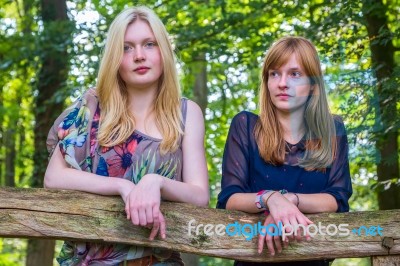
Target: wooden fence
(73, 215)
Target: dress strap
(184, 111)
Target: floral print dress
(75, 133)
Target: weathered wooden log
(79, 216)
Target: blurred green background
(50, 52)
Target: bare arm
(314, 203)
(194, 188)
(59, 176)
(308, 203)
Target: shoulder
(193, 109)
(194, 116)
(245, 118)
(90, 96)
(339, 125)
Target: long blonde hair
(319, 122)
(116, 121)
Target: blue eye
(127, 47)
(296, 74)
(273, 73)
(150, 44)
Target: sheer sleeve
(235, 164)
(71, 132)
(339, 182)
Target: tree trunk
(10, 153)
(56, 37)
(1, 131)
(200, 91)
(387, 136)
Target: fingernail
(272, 254)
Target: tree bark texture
(200, 90)
(79, 216)
(382, 56)
(55, 39)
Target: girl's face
(141, 65)
(289, 86)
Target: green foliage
(8, 256)
(232, 36)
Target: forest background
(50, 51)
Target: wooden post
(385, 260)
(79, 216)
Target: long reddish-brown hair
(320, 126)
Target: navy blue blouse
(244, 171)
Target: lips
(141, 68)
(283, 96)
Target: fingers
(287, 230)
(261, 239)
(163, 226)
(134, 216)
(155, 213)
(154, 231)
(295, 229)
(303, 220)
(271, 237)
(127, 210)
(278, 243)
(270, 244)
(148, 211)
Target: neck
(141, 102)
(293, 125)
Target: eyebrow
(144, 40)
(290, 69)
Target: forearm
(73, 179)
(316, 203)
(308, 203)
(173, 190)
(59, 176)
(242, 202)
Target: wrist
(271, 197)
(291, 197)
(124, 186)
(156, 180)
(268, 196)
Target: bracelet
(298, 200)
(258, 201)
(283, 191)
(266, 201)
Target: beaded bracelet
(283, 191)
(258, 201)
(298, 200)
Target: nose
(139, 54)
(283, 82)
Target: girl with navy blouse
(292, 158)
